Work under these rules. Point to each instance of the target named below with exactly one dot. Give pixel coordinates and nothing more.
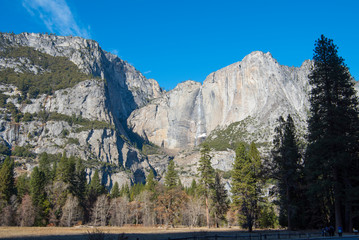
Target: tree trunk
(207, 211)
(337, 204)
(289, 210)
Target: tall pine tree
(7, 180)
(246, 185)
(332, 152)
(219, 200)
(206, 172)
(171, 178)
(287, 170)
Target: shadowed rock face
(110, 100)
(256, 87)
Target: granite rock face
(110, 101)
(257, 87)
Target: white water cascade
(200, 119)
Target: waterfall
(200, 119)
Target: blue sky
(177, 40)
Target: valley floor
(137, 233)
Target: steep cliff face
(85, 120)
(258, 88)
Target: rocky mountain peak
(257, 87)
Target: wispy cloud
(147, 72)
(57, 16)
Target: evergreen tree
(45, 166)
(95, 187)
(38, 196)
(288, 171)
(171, 178)
(206, 172)
(219, 200)
(22, 185)
(78, 182)
(7, 180)
(332, 152)
(65, 170)
(125, 191)
(192, 190)
(115, 191)
(246, 186)
(151, 182)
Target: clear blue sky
(176, 40)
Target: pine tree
(7, 180)
(219, 200)
(78, 181)
(151, 182)
(332, 152)
(22, 185)
(246, 185)
(115, 191)
(45, 166)
(288, 172)
(125, 191)
(171, 178)
(95, 187)
(206, 172)
(38, 195)
(192, 190)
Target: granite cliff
(102, 102)
(65, 94)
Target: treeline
(320, 187)
(58, 194)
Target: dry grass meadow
(131, 232)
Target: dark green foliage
(268, 217)
(115, 191)
(288, 172)
(79, 181)
(192, 190)
(125, 191)
(246, 181)
(219, 201)
(20, 151)
(27, 117)
(95, 187)
(331, 161)
(7, 180)
(66, 169)
(171, 178)
(59, 72)
(45, 167)
(39, 196)
(4, 150)
(206, 172)
(151, 182)
(22, 185)
(136, 189)
(3, 99)
(71, 120)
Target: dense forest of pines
(309, 186)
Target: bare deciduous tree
(119, 211)
(101, 211)
(26, 212)
(72, 212)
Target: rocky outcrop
(107, 100)
(257, 87)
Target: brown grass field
(132, 232)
